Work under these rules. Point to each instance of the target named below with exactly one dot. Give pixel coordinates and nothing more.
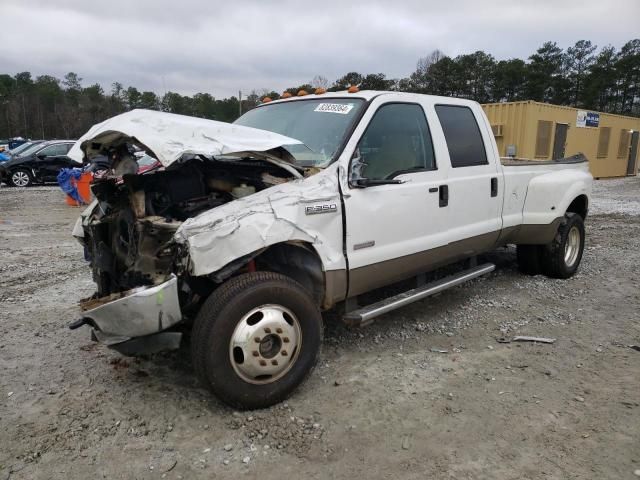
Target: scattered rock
(523, 338)
(438, 350)
(405, 443)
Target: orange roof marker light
(320, 91)
(266, 99)
(302, 93)
(353, 89)
(286, 95)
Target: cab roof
(368, 95)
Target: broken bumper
(144, 311)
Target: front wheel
(256, 339)
(20, 178)
(561, 257)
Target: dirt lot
(381, 404)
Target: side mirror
(356, 178)
(356, 167)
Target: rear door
(475, 181)
(393, 231)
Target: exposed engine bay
(129, 235)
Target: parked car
(39, 163)
(147, 163)
(16, 142)
(301, 205)
(11, 143)
(6, 156)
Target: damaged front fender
(282, 213)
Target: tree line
(606, 80)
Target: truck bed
(518, 162)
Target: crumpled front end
(144, 284)
(129, 235)
(132, 321)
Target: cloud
(222, 47)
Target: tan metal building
(542, 131)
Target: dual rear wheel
(561, 257)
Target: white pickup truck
(246, 232)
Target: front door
(52, 159)
(560, 140)
(392, 229)
(633, 154)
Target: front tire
(256, 339)
(20, 178)
(561, 257)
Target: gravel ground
(381, 403)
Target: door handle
(444, 195)
(494, 187)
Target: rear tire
(528, 257)
(561, 257)
(256, 339)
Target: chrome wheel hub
(20, 179)
(265, 344)
(572, 247)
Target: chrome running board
(365, 315)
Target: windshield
(21, 148)
(28, 151)
(320, 124)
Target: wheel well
(579, 205)
(297, 260)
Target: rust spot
(255, 353)
(284, 353)
(257, 339)
(267, 330)
(278, 330)
(263, 363)
(274, 362)
(285, 339)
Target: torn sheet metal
(275, 215)
(188, 135)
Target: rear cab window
(462, 134)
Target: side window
(47, 151)
(396, 140)
(53, 150)
(462, 134)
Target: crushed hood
(168, 136)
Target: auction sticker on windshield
(334, 108)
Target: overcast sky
(192, 46)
